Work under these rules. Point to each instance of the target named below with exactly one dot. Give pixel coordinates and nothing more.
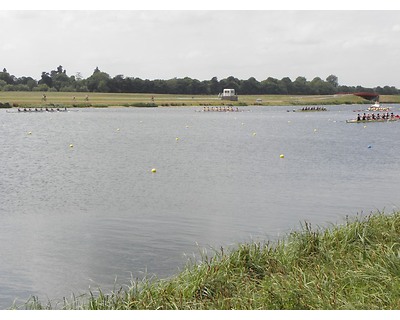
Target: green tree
(270, 86)
(230, 83)
(198, 87)
(60, 80)
(2, 84)
(8, 87)
(286, 86)
(41, 87)
(103, 86)
(250, 86)
(215, 86)
(30, 82)
(21, 87)
(300, 86)
(387, 90)
(5, 76)
(98, 81)
(80, 86)
(137, 85)
(333, 80)
(318, 86)
(117, 84)
(159, 86)
(46, 79)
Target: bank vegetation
(20, 99)
(354, 265)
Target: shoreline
(21, 99)
(353, 265)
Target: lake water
(93, 215)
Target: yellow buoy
(153, 170)
(315, 130)
(117, 129)
(29, 132)
(71, 145)
(281, 156)
(176, 138)
(254, 133)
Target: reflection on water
(94, 215)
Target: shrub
(145, 105)
(5, 105)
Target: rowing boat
(39, 110)
(309, 109)
(372, 120)
(378, 107)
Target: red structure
(371, 96)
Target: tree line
(99, 81)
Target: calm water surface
(95, 216)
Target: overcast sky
(359, 47)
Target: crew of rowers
(41, 109)
(221, 109)
(378, 109)
(384, 116)
(313, 109)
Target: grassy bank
(78, 99)
(355, 265)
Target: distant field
(77, 99)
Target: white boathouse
(229, 94)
